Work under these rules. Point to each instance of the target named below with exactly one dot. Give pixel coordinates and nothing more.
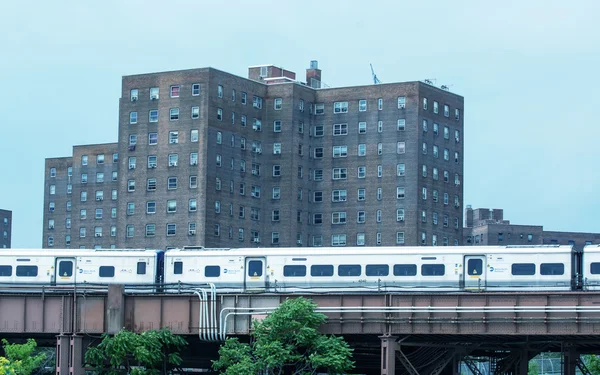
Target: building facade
(488, 227)
(207, 158)
(5, 229)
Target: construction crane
(375, 79)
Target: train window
(141, 268)
(349, 270)
(255, 268)
(475, 267)
(212, 271)
(405, 269)
(65, 268)
(523, 269)
(178, 268)
(321, 270)
(27, 271)
(106, 271)
(594, 268)
(433, 270)
(294, 271)
(7, 271)
(552, 269)
(377, 270)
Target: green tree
(149, 353)
(592, 362)
(21, 359)
(287, 342)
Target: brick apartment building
(488, 227)
(5, 228)
(208, 158)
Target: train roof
(379, 250)
(71, 253)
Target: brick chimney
(313, 75)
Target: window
(318, 175)
(436, 129)
(338, 196)
(301, 127)
(424, 104)
(433, 270)
(84, 196)
(70, 171)
(52, 189)
(256, 125)
(340, 151)
(400, 191)
(362, 172)
(380, 127)
(132, 140)
(241, 234)
(446, 132)
(275, 241)
(435, 173)
(301, 105)
(362, 149)
(318, 131)
(338, 217)
(153, 115)
(276, 193)
(340, 107)
(319, 108)
(257, 102)
(28, 271)
(277, 104)
(84, 160)
(192, 205)
(212, 271)
(400, 238)
(401, 102)
(276, 148)
(152, 161)
(174, 114)
(446, 111)
(106, 271)
(378, 216)
(457, 114)
(113, 194)
(435, 107)
(401, 147)
(173, 159)
(318, 219)
(424, 193)
(523, 269)
(362, 127)
(255, 191)
(338, 240)
(220, 91)
(171, 229)
(151, 184)
(133, 95)
(434, 218)
(361, 194)
(194, 158)
(82, 232)
(195, 89)
(400, 169)
(150, 207)
(361, 217)
(379, 171)
(277, 126)
(133, 117)
(276, 170)
(380, 104)
(362, 105)
(339, 173)
(400, 215)
(318, 152)
(195, 112)
(435, 151)
(340, 129)
(401, 124)
(114, 175)
(172, 183)
(377, 270)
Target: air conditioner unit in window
(298, 242)
(98, 234)
(192, 232)
(259, 151)
(134, 99)
(154, 97)
(173, 141)
(131, 147)
(255, 128)
(172, 164)
(255, 173)
(276, 152)
(256, 240)
(131, 166)
(152, 166)
(51, 227)
(401, 106)
(99, 198)
(194, 163)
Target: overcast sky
(528, 71)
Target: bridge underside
(390, 333)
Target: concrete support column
(388, 355)
(571, 356)
(115, 309)
(77, 355)
(62, 354)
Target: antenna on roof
(430, 81)
(375, 79)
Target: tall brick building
(5, 229)
(212, 159)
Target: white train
(349, 269)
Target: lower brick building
(5, 229)
(488, 227)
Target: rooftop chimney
(313, 75)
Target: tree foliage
(149, 353)
(21, 359)
(592, 362)
(287, 342)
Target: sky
(528, 71)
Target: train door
(255, 278)
(65, 271)
(475, 272)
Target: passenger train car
(323, 269)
